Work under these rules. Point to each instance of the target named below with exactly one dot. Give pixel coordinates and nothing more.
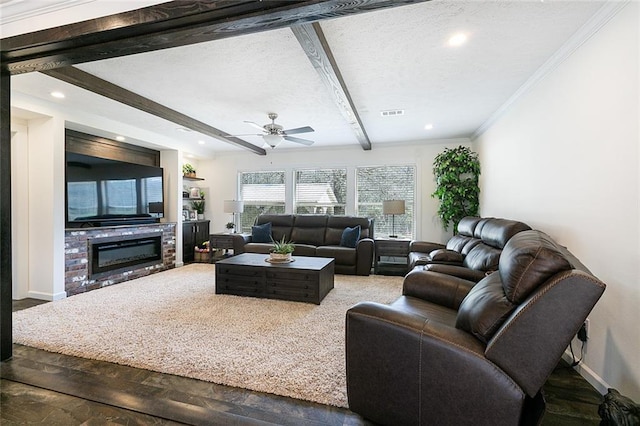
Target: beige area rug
(173, 322)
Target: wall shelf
(191, 178)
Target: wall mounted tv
(103, 192)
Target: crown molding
(590, 28)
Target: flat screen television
(102, 192)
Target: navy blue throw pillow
(261, 233)
(350, 237)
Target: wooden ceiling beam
(90, 82)
(314, 44)
(165, 25)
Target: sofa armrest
(425, 246)
(364, 256)
(441, 289)
(457, 271)
(238, 241)
(404, 368)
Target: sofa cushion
(281, 225)
(462, 244)
(262, 248)
(444, 255)
(350, 236)
(304, 250)
(484, 309)
(342, 255)
(336, 224)
(482, 258)
(311, 236)
(528, 260)
(467, 225)
(261, 233)
(497, 232)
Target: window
(320, 191)
(376, 184)
(262, 193)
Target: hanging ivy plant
(456, 171)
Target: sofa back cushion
(467, 225)
(497, 232)
(462, 243)
(281, 225)
(482, 257)
(337, 224)
(528, 260)
(309, 229)
(484, 309)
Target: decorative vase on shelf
(200, 216)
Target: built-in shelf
(191, 178)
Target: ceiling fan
(273, 133)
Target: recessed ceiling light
(458, 39)
(58, 95)
(428, 126)
(183, 129)
(120, 138)
(201, 142)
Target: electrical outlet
(583, 333)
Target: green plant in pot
(281, 250)
(230, 226)
(456, 172)
(198, 206)
(188, 170)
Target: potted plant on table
(281, 251)
(230, 226)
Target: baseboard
(47, 296)
(179, 264)
(589, 375)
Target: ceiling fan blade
(305, 129)
(256, 125)
(306, 142)
(246, 134)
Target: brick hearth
(77, 260)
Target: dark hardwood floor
(38, 387)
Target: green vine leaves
(456, 172)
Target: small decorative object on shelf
(230, 226)
(188, 170)
(281, 251)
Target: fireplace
(111, 255)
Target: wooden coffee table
(306, 279)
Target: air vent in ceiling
(392, 112)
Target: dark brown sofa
(317, 235)
(428, 359)
(470, 254)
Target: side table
(391, 256)
(222, 241)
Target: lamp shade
(233, 206)
(393, 207)
(272, 140)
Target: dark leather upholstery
(317, 235)
(476, 246)
(429, 359)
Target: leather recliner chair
(436, 357)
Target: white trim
(591, 27)
(42, 9)
(588, 374)
(47, 296)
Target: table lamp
(393, 207)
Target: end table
(222, 241)
(391, 256)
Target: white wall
(222, 175)
(565, 159)
(19, 205)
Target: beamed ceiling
(333, 65)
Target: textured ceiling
(391, 59)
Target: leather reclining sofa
(470, 254)
(316, 235)
(472, 355)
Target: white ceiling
(390, 59)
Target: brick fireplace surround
(77, 255)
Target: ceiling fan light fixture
(272, 140)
